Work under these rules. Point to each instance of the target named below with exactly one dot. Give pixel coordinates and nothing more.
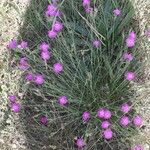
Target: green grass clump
(92, 78)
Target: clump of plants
(78, 68)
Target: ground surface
(11, 130)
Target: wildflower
(107, 114)
(89, 10)
(108, 134)
(137, 120)
(16, 107)
(138, 147)
(51, 10)
(23, 64)
(147, 33)
(117, 12)
(45, 55)
(86, 3)
(96, 43)
(80, 143)
(86, 116)
(129, 75)
(58, 26)
(52, 34)
(12, 44)
(125, 108)
(29, 76)
(12, 98)
(57, 67)
(44, 46)
(105, 124)
(63, 100)
(128, 56)
(130, 41)
(23, 45)
(43, 120)
(39, 79)
(100, 113)
(124, 121)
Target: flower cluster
(87, 7)
(14, 105)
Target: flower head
(51, 10)
(130, 41)
(138, 147)
(105, 124)
(44, 47)
(57, 67)
(117, 12)
(45, 55)
(88, 10)
(86, 3)
(29, 76)
(100, 113)
(52, 34)
(23, 64)
(129, 75)
(128, 56)
(39, 79)
(12, 98)
(137, 120)
(132, 35)
(86, 116)
(80, 143)
(62, 100)
(12, 44)
(96, 43)
(125, 108)
(107, 114)
(124, 121)
(16, 107)
(108, 134)
(23, 45)
(43, 120)
(57, 26)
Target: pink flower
(43, 120)
(128, 56)
(105, 124)
(16, 107)
(96, 43)
(39, 79)
(80, 143)
(125, 108)
(23, 64)
(58, 26)
(137, 120)
(45, 55)
(129, 75)
(124, 121)
(51, 10)
(12, 44)
(86, 3)
(29, 76)
(100, 113)
(12, 98)
(86, 116)
(130, 41)
(107, 114)
(138, 147)
(57, 67)
(52, 34)
(147, 33)
(44, 46)
(117, 12)
(108, 134)
(88, 10)
(23, 45)
(63, 100)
